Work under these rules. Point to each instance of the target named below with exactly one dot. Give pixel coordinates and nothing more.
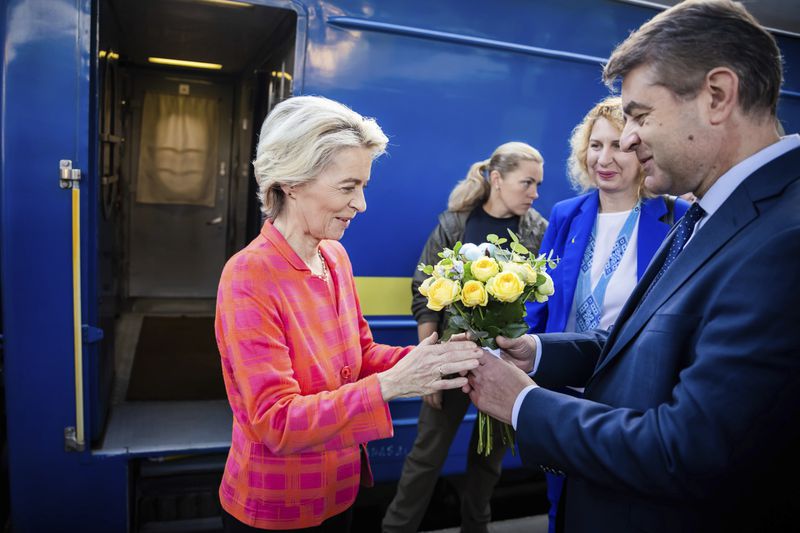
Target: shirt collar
(728, 182)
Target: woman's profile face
(328, 203)
(610, 169)
(516, 190)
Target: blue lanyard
(589, 303)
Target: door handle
(214, 221)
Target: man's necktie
(682, 234)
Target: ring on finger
(441, 373)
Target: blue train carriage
(114, 401)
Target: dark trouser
(435, 434)
(339, 523)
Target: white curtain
(178, 150)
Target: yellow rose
(474, 293)
(442, 292)
(484, 268)
(524, 270)
(506, 286)
(546, 288)
(423, 288)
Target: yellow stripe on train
(384, 296)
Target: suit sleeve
(736, 401)
(569, 359)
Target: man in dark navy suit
(690, 419)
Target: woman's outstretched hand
(426, 368)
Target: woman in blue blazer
(604, 238)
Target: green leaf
(513, 235)
(428, 269)
(447, 333)
(498, 242)
(458, 322)
(456, 248)
(512, 331)
(467, 276)
(492, 238)
(480, 334)
(520, 249)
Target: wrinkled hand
(422, 371)
(521, 352)
(494, 386)
(433, 400)
(463, 336)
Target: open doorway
(177, 199)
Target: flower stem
(485, 430)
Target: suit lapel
(633, 300)
(734, 214)
(650, 234)
(577, 239)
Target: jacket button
(346, 373)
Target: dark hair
(686, 41)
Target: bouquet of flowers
(484, 288)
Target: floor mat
(176, 359)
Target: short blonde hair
(300, 137)
(475, 187)
(609, 108)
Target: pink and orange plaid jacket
(299, 365)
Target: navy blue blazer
(567, 235)
(690, 419)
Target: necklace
(324, 275)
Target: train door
(180, 146)
(183, 202)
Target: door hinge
(71, 443)
(67, 176)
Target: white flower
(469, 251)
(547, 288)
(472, 252)
(487, 248)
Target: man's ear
(722, 86)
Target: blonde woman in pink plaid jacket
(307, 384)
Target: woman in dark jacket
(495, 196)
